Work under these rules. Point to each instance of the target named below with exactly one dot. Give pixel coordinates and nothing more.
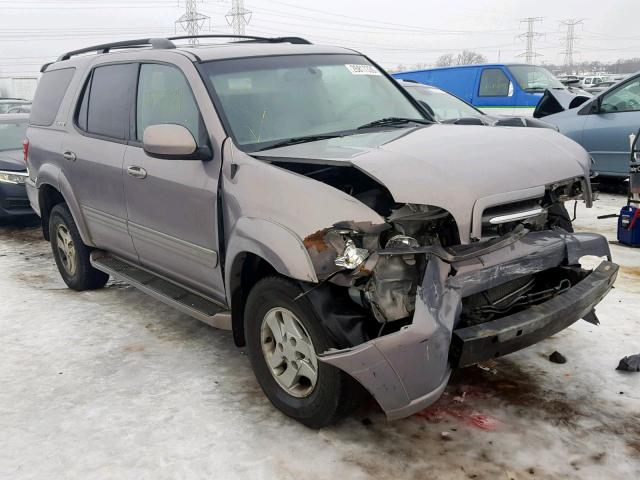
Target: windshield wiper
(297, 140)
(394, 121)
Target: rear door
(606, 133)
(172, 205)
(94, 152)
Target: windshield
(12, 135)
(530, 77)
(268, 100)
(443, 105)
(6, 106)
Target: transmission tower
(530, 35)
(238, 17)
(191, 21)
(570, 42)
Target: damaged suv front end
(422, 247)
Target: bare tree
(468, 57)
(445, 60)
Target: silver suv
(297, 195)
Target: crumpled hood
(12, 160)
(450, 166)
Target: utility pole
(570, 42)
(529, 36)
(238, 17)
(191, 21)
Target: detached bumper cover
(408, 370)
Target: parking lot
(113, 384)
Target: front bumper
(408, 370)
(14, 201)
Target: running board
(177, 296)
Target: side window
(109, 100)
(587, 81)
(164, 96)
(493, 83)
(51, 88)
(624, 99)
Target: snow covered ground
(112, 384)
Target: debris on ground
(557, 357)
(446, 436)
(630, 363)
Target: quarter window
(48, 97)
(109, 104)
(164, 97)
(493, 83)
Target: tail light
(25, 149)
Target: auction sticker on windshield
(358, 69)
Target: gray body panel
(453, 168)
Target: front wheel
(71, 255)
(283, 337)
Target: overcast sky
(405, 32)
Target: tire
(559, 217)
(71, 255)
(334, 394)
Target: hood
(12, 160)
(449, 166)
(556, 100)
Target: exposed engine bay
(381, 266)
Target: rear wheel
(283, 337)
(71, 255)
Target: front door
(95, 151)
(606, 133)
(172, 204)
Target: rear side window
(108, 105)
(51, 88)
(164, 96)
(493, 83)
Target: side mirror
(172, 142)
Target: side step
(182, 298)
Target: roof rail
(158, 43)
(248, 38)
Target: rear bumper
(408, 370)
(508, 334)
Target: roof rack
(166, 44)
(248, 38)
(159, 43)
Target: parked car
(593, 80)
(13, 172)
(600, 87)
(447, 108)
(510, 89)
(9, 105)
(602, 125)
(297, 195)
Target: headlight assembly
(352, 256)
(15, 178)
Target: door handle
(137, 172)
(69, 155)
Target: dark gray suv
(297, 195)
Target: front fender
(272, 242)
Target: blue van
(513, 89)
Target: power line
(238, 17)
(569, 42)
(191, 21)
(530, 35)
